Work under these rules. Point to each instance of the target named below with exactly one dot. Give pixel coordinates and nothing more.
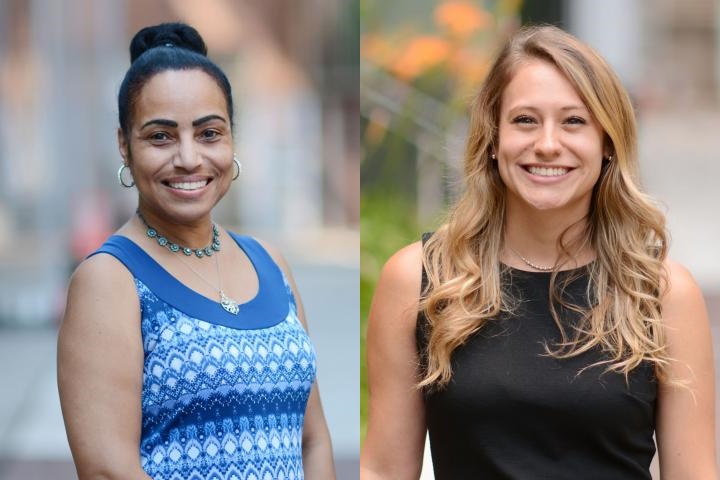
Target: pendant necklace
(227, 303)
(230, 305)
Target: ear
(123, 146)
(608, 147)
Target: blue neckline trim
(269, 307)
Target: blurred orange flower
(376, 48)
(470, 66)
(462, 18)
(420, 54)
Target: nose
(548, 144)
(187, 157)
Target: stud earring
(238, 166)
(492, 155)
(120, 179)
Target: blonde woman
(541, 332)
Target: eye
(574, 120)
(209, 134)
(523, 119)
(159, 137)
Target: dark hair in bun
(167, 35)
(168, 46)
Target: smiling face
(550, 147)
(180, 145)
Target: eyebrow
(160, 121)
(575, 107)
(565, 108)
(206, 119)
(171, 123)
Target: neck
(536, 234)
(194, 234)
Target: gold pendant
(230, 305)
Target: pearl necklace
(529, 263)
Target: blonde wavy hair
(623, 226)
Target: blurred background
(422, 60)
(294, 71)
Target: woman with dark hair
(183, 352)
(541, 332)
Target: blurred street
(32, 436)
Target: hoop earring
(238, 167)
(120, 177)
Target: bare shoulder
(397, 293)
(682, 301)
(679, 278)
(100, 288)
(403, 271)
(100, 273)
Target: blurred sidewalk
(32, 436)
(31, 426)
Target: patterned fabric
(222, 402)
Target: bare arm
(686, 417)
(317, 447)
(396, 429)
(100, 365)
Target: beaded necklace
(174, 247)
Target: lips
(547, 171)
(187, 184)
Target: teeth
(188, 185)
(547, 172)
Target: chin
(564, 204)
(186, 212)
(549, 204)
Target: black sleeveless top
(511, 411)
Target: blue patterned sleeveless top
(223, 395)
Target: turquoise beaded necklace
(174, 247)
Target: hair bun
(167, 34)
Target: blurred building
(293, 67)
(667, 52)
